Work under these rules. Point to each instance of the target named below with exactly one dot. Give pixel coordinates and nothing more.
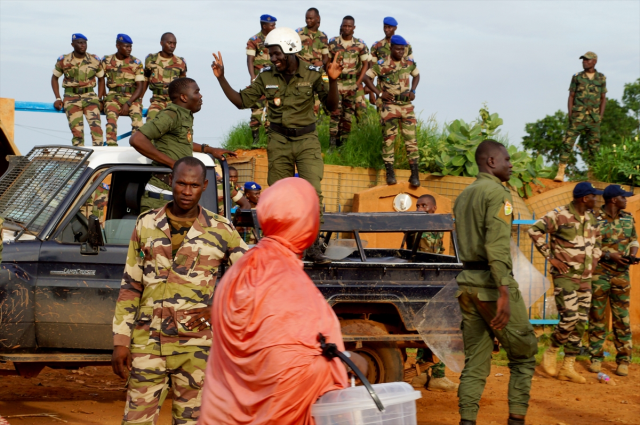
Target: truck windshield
(32, 189)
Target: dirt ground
(95, 395)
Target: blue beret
(396, 39)
(124, 38)
(252, 186)
(585, 188)
(268, 18)
(389, 20)
(78, 35)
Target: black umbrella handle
(331, 351)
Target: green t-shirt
(179, 228)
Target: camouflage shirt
(382, 50)
(353, 53)
(618, 235)
(573, 239)
(256, 47)
(1, 223)
(122, 73)
(432, 242)
(159, 291)
(314, 45)
(78, 72)
(394, 77)
(162, 71)
(588, 93)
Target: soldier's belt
(78, 90)
(292, 132)
(476, 265)
(402, 98)
(344, 76)
(159, 196)
(160, 91)
(122, 89)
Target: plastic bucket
(354, 406)
(339, 249)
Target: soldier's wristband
(57, 98)
(203, 147)
(129, 103)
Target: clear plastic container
(354, 406)
(339, 249)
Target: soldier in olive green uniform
(611, 280)
(125, 80)
(487, 289)
(160, 69)
(161, 329)
(289, 87)
(258, 58)
(587, 101)
(80, 70)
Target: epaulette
(97, 58)
(576, 74)
(266, 68)
(104, 58)
(315, 68)
(148, 56)
(61, 57)
(254, 38)
(411, 60)
(219, 218)
(182, 59)
(362, 41)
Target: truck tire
(385, 359)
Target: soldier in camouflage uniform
(160, 69)
(315, 46)
(587, 101)
(125, 80)
(258, 58)
(382, 49)
(573, 250)
(80, 70)
(353, 53)
(161, 328)
(611, 280)
(394, 102)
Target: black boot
(391, 175)
(414, 180)
(256, 137)
(314, 253)
(513, 421)
(465, 422)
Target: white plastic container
(354, 406)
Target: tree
(617, 124)
(631, 100)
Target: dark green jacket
(484, 212)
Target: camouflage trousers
(573, 311)
(361, 105)
(158, 103)
(75, 107)
(617, 290)
(149, 384)
(340, 122)
(437, 369)
(589, 131)
(393, 116)
(112, 106)
(259, 114)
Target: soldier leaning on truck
(80, 70)
(573, 251)
(172, 131)
(125, 80)
(611, 280)
(161, 328)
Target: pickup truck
(69, 213)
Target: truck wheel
(384, 358)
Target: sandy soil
(96, 396)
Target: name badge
(304, 84)
(272, 86)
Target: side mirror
(94, 240)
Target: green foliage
(619, 163)
(616, 123)
(545, 136)
(631, 100)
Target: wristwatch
(129, 103)
(413, 91)
(203, 147)
(607, 256)
(57, 98)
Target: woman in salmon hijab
(266, 365)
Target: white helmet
(288, 40)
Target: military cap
(268, 18)
(614, 190)
(584, 189)
(252, 186)
(400, 41)
(124, 38)
(389, 20)
(78, 35)
(589, 55)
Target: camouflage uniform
(79, 97)
(1, 223)
(584, 120)
(98, 201)
(159, 72)
(157, 296)
(122, 77)
(314, 45)
(611, 282)
(256, 48)
(393, 77)
(575, 241)
(432, 242)
(382, 50)
(353, 54)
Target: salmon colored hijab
(266, 365)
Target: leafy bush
(619, 163)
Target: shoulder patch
(576, 74)
(61, 57)
(332, 40)
(508, 208)
(182, 59)
(362, 41)
(97, 58)
(266, 68)
(381, 61)
(299, 30)
(315, 68)
(411, 60)
(137, 61)
(254, 38)
(218, 218)
(149, 55)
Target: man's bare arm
(603, 104)
(56, 91)
(250, 60)
(143, 145)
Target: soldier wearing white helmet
(289, 87)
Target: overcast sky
(517, 56)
